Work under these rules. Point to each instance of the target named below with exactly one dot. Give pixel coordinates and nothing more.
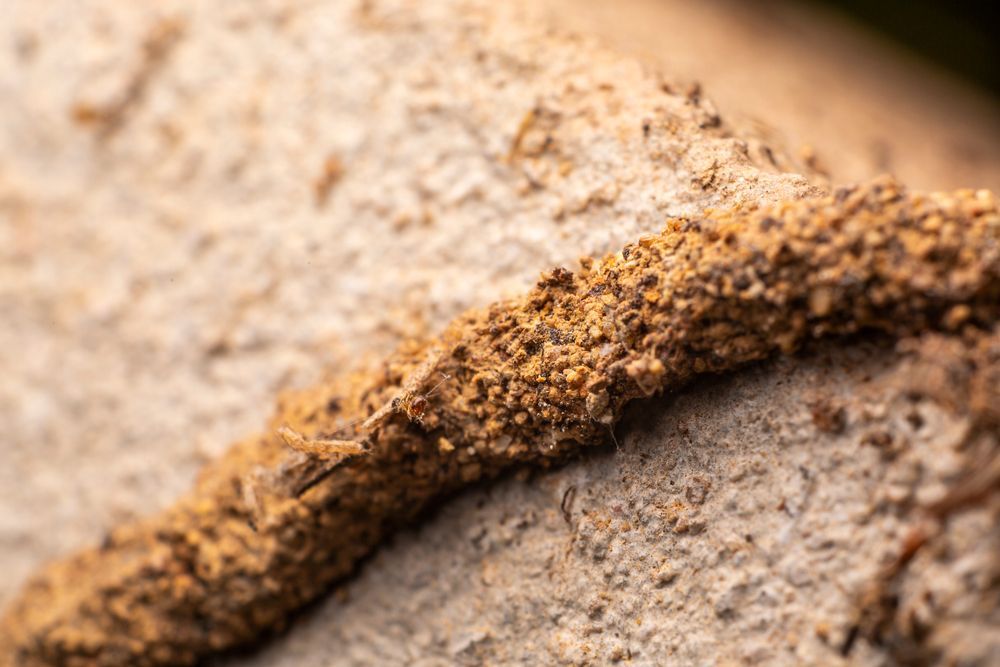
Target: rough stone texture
(169, 263)
(526, 381)
(731, 526)
(160, 284)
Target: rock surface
(732, 525)
(258, 216)
(204, 203)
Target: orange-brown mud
(528, 381)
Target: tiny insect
(417, 406)
(299, 474)
(409, 400)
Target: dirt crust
(526, 381)
(751, 518)
(191, 223)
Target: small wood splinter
(319, 447)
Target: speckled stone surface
(287, 165)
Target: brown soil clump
(526, 381)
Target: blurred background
(846, 88)
(960, 36)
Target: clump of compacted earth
(528, 381)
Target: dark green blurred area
(960, 36)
